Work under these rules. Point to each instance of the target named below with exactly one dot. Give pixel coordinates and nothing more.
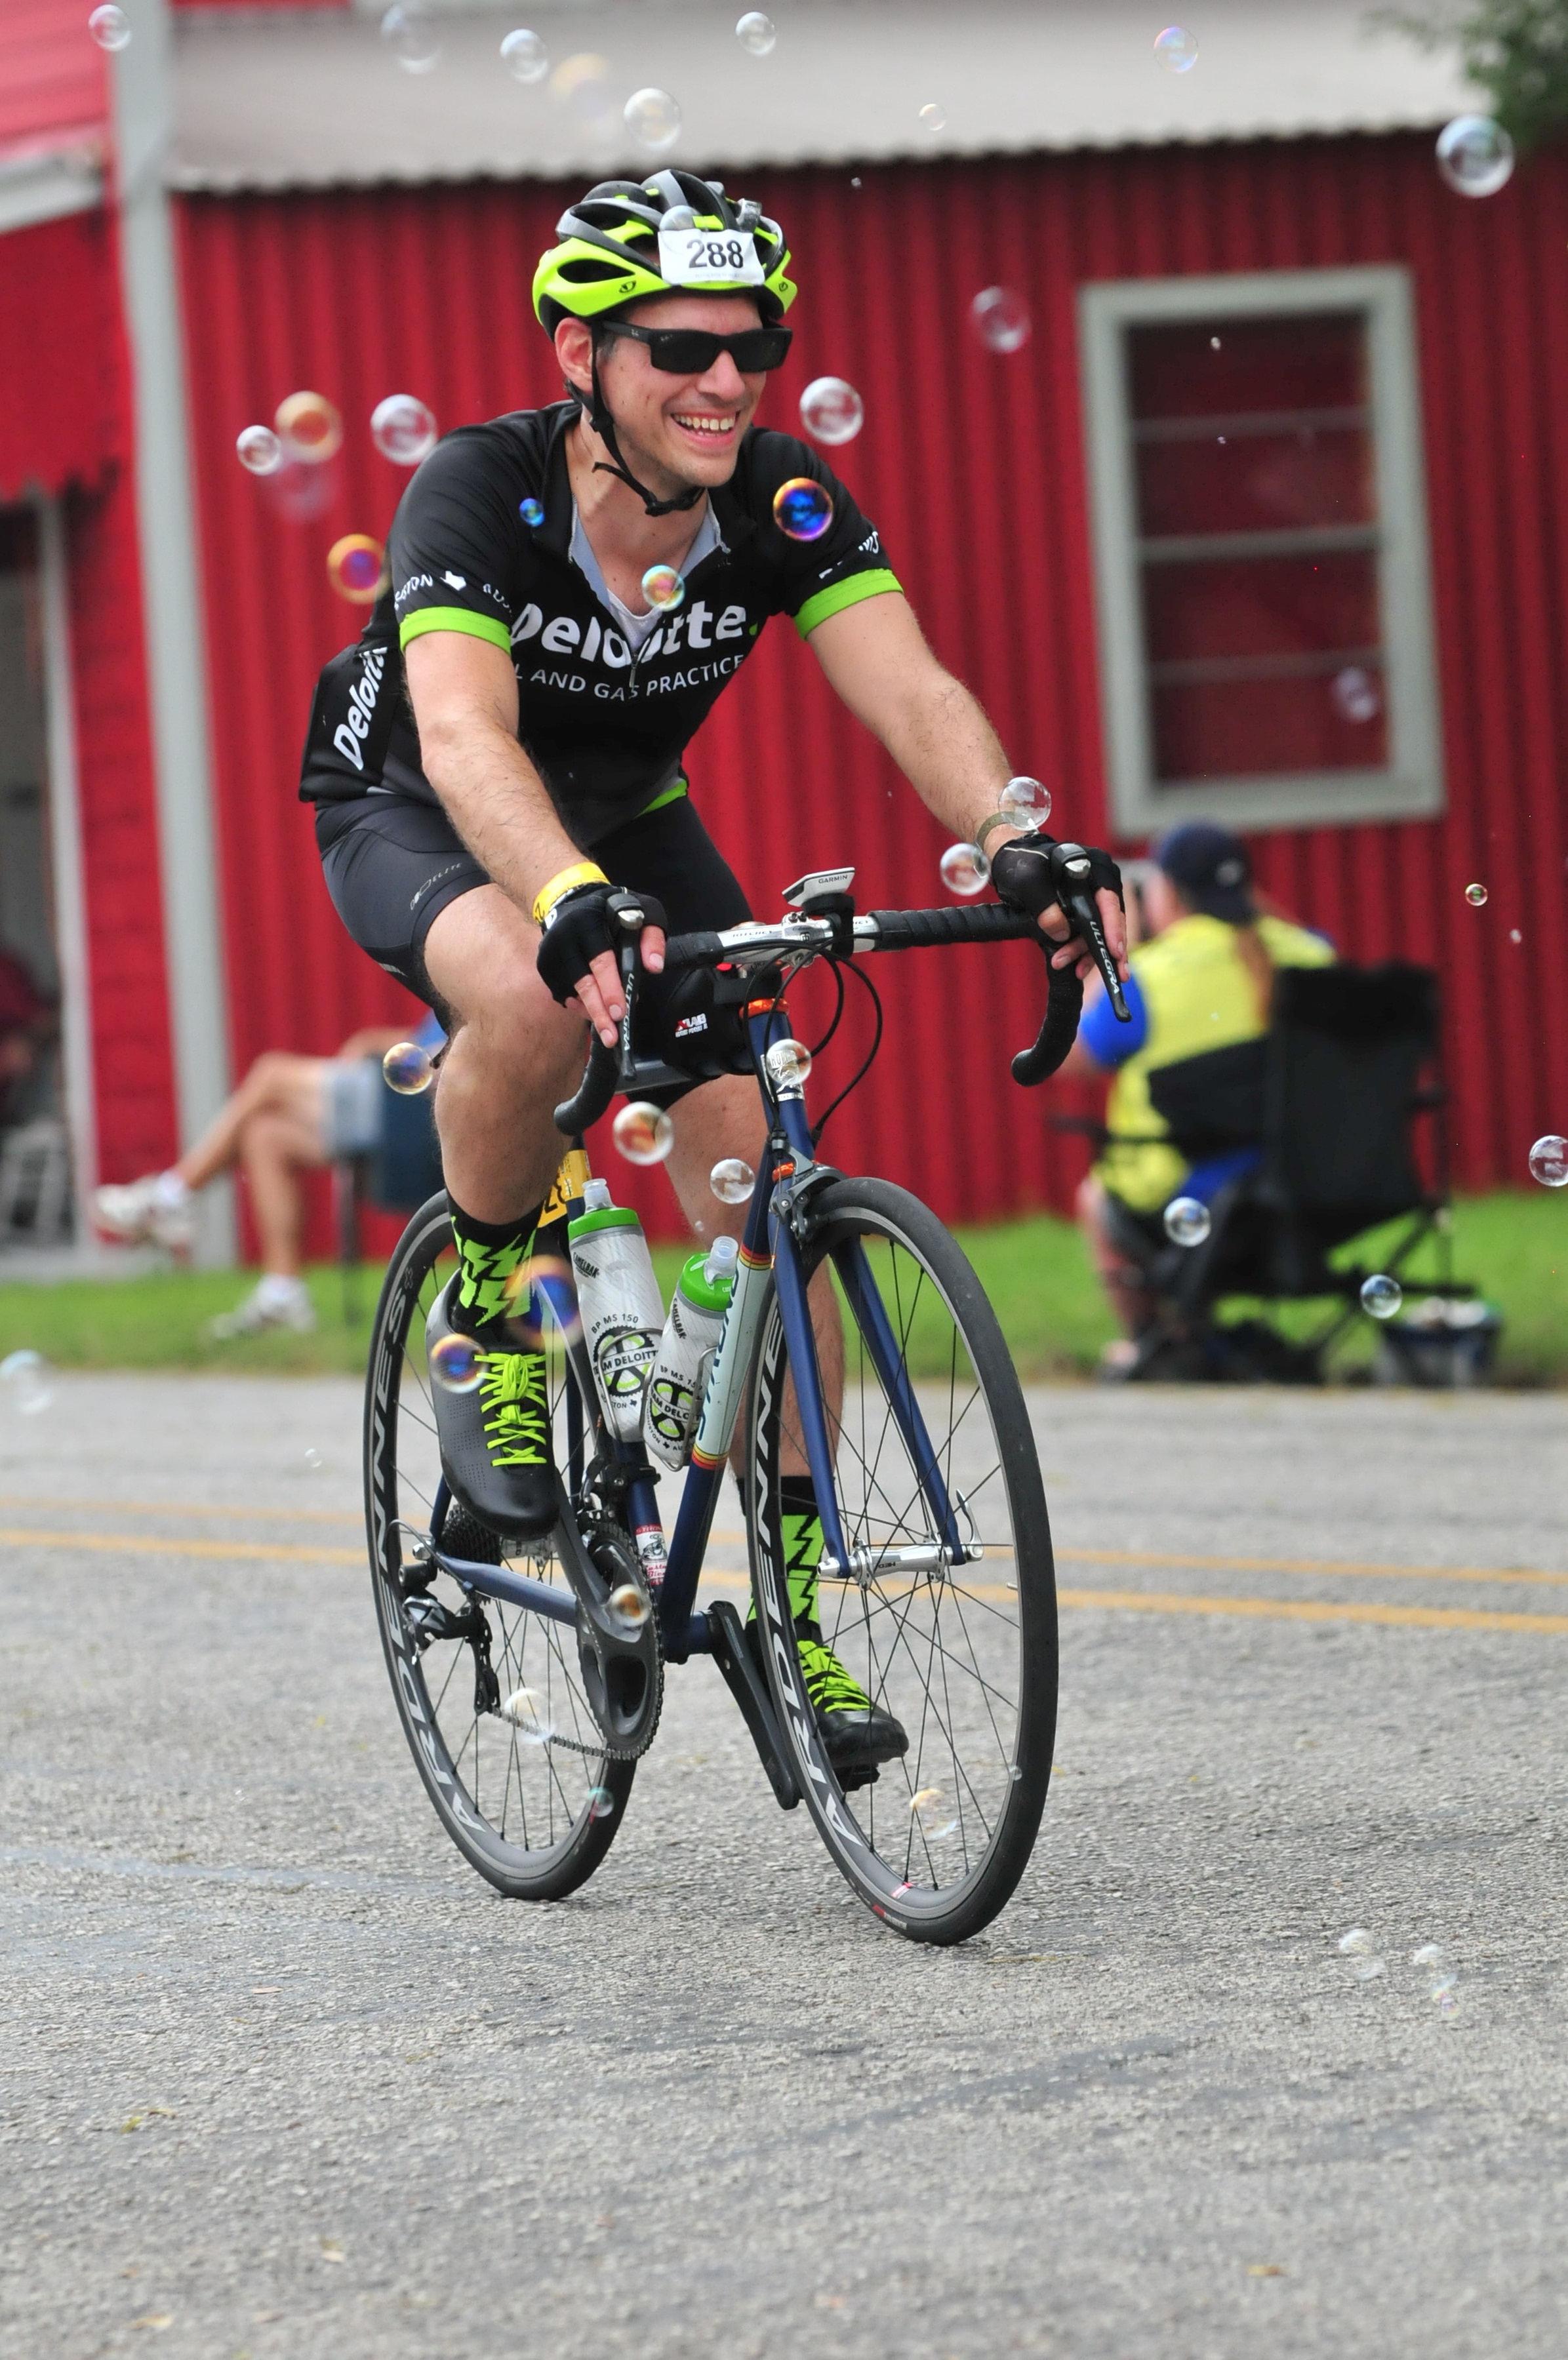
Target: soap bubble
(532, 512)
(354, 568)
(731, 1181)
(457, 1364)
(664, 586)
(1176, 48)
(310, 425)
(522, 1709)
(965, 869)
(1474, 156)
(29, 1380)
(411, 31)
(1381, 1295)
(934, 1814)
(787, 1063)
(582, 82)
(1549, 1160)
(628, 1607)
(409, 1069)
(1357, 1946)
(1026, 801)
(258, 450)
(653, 119)
(314, 1462)
(402, 429)
(643, 1133)
(756, 32)
(601, 1802)
(803, 509)
(831, 410)
(931, 117)
(1000, 319)
(525, 57)
(1356, 697)
(542, 1303)
(1187, 1221)
(1477, 896)
(110, 27)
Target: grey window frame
(1411, 787)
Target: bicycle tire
(945, 1900)
(581, 1808)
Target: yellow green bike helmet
(609, 252)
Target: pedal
(727, 1639)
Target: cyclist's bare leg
(721, 1119)
(513, 1056)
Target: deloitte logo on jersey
(350, 735)
(698, 629)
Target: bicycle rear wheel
(533, 1802)
(933, 1443)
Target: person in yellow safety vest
(1203, 980)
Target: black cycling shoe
(856, 1734)
(495, 1441)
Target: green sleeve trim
(839, 595)
(670, 795)
(454, 618)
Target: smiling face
(674, 431)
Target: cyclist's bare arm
(464, 691)
(876, 660)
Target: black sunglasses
(692, 351)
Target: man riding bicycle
(472, 833)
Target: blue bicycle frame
(769, 1244)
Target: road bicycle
(529, 1676)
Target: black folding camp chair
(1332, 1095)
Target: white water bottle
(673, 1406)
(619, 1298)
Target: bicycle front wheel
(490, 1696)
(946, 1612)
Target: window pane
(1238, 479)
(1299, 360)
(1265, 649)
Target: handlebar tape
(1063, 1008)
(598, 1087)
(913, 930)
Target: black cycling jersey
(604, 728)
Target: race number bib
(701, 258)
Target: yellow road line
(1312, 1610)
(1317, 1566)
(165, 1545)
(184, 1508)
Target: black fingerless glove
(582, 924)
(1032, 871)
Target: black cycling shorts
(392, 865)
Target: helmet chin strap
(599, 418)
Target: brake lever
(1080, 907)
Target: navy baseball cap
(1212, 868)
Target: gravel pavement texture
(282, 2077)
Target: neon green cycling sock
(801, 1530)
(491, 1253)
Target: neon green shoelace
(516, 1410)
(827, 1684)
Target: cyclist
(473, 835)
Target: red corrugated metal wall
(973, 465)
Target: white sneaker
(144, 1212)
(277, 1302)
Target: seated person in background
(1203, 980)
(289, 1116)
(27, 1022)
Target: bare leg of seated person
(272, 1129)
(1123, 1281)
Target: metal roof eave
(318, 100)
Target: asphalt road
(282, 2077)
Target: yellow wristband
(581, 872)
(996, 819)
